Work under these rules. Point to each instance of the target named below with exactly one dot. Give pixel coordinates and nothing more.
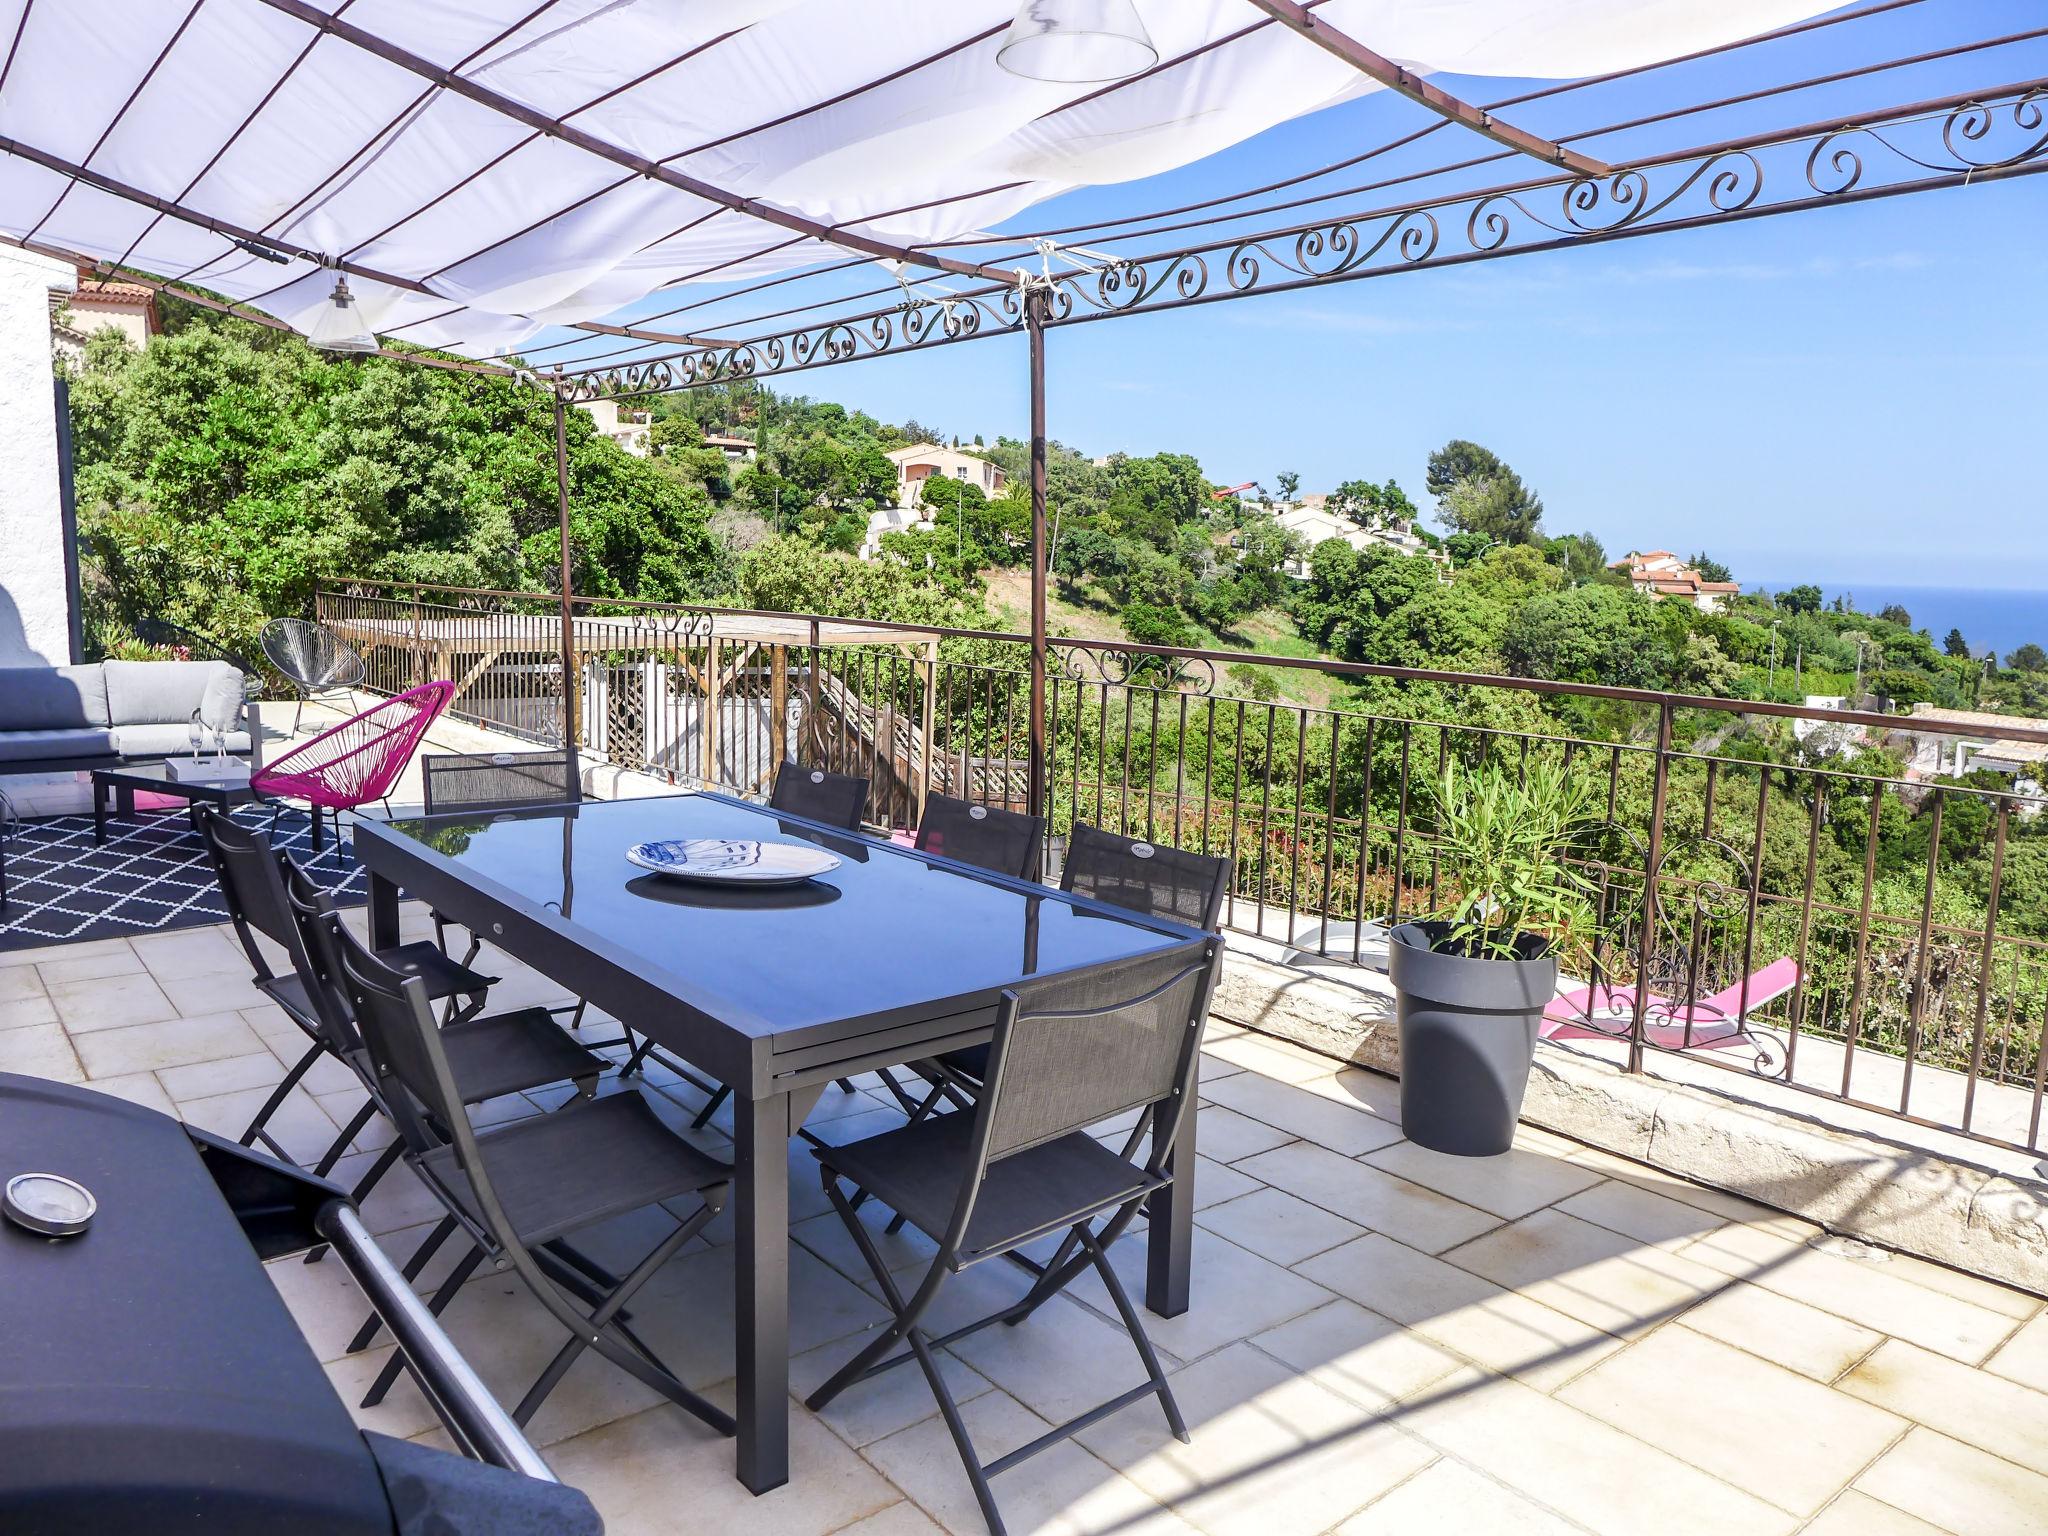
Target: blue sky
(1851, 394)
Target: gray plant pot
(1468, 1033)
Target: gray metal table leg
(761, 1130)
(1170, 1229)
(383, 912)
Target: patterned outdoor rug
(151, 874)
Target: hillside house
(1311, 520)
(737, 450)
(1944, 756)
(1659, 573)
(102, 305)
(626, 428)
(920, 461)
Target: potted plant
(1472, 979)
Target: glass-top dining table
(893, 957)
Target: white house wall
(35, 604)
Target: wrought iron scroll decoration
(1113, 666)
(1723, 182)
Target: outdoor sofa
(107, 714)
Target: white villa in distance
(916, 464)
(101, 304)
(1932, 755)
(626, 428)
(1660, 573)
(1311, 520)
(920, 461)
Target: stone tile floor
(1384, 1341)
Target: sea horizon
(2003, 618)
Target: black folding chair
(982, 835)
(1149, 878)
(1153, 878)
(491, 1055)
(519, 1192)
(1068, 1053)
(485, 783)
(836, 799)
(450, 982)
(492, 783)
(252, 889)
(1007, 842)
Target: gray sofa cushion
(166, 693)
(168, 741)
(29, 747)
(54, 698)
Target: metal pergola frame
(1996, 132)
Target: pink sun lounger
(1713, 1020)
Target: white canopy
(884, 119)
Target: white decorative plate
(733, 861)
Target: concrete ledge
(1884, 1181)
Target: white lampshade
(340, 326)
(1077, 42)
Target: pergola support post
(1034, 324)
(571, 683)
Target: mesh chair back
(401, 1041)
(498, 781)
(836, 799)
(982, 835)
(309, 655)
(309, 905)
(1076, 1050)
(1151, 878)
(249, 886)
(360, 759)
(261, 889)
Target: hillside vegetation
(223, 471)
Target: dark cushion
(53, 698)
(437, 1493)
(170, 740)
(55, 745)
(166, 693)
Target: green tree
(225, 469)
(1510, 573)
(1156, 624)
(1800, 599)
(1586, 635)
(1464, 548)
(1149, 498)
(1088, 553)
(1461, 460)
(1372, 506)
(1581, 556)
(1955, 645)
(1497, 507)
(1709, 568)
(2028, 658)
(1289, 483)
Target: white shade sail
(888, 121)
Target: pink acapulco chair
(359, 760)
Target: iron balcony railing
(1777, 893)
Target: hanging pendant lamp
(340, 326)
(1077, 42)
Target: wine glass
(195, 732)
